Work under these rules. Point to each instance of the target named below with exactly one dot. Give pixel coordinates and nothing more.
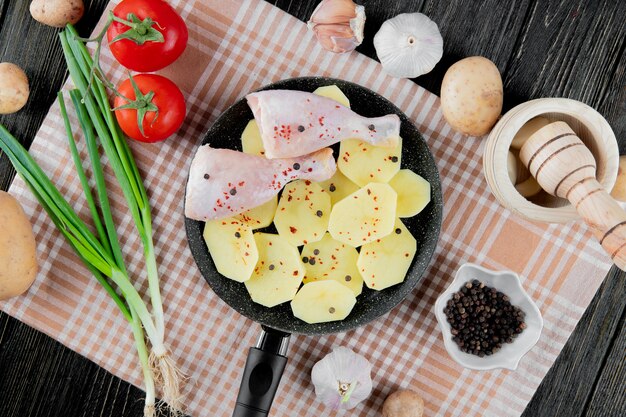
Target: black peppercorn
(482, 318)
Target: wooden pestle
(565, 167)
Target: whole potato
(57, 13)
(18, 261)
(13, 88)
(403, 403)
(471, 95)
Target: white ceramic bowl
(508, 283)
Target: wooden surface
(543, 48)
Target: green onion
(80, 66)
(108, 237)
(101, 253)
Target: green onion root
(170, 380)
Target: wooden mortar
(565, 167)
(589, 126)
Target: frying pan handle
(261, 376)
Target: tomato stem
(96, 59)
(142, 103)
(140, 32)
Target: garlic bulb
(338, 25)
(408, 45)
(342, 379)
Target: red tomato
(167, 98)
(151, 55)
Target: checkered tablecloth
(235, 47)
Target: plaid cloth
(235, 47)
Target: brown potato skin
(14, 90)
(57, 13)
(403, 403)
(472, 95)
(18, 257)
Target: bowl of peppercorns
(487, 319)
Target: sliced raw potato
(278, 273)
(413, 193)
(333, 92)
(323, 301)
(251, 141)
(385, 262)
(303, 212)
(232, 248)
(261, 216)
(364, 216)
(338, 186)
(364, 163)
(330, 259)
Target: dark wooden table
(543, 48)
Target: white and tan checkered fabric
(235, 47)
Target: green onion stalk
(101, 252)
(80, 65)
(95, 252)
(107, 233)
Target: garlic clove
(334, 11)
(408, 45)
(338, 25)
(342, 379)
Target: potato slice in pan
(363, 163)
(364, 216)
(338, 187)
(278, 272)
(261, 216)
(385, 262)
(413, 193)
(323, 301)
(333, 92)
(251, 141)
(330, 259)
(232, 248)
(303, 212)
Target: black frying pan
(267, 360)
